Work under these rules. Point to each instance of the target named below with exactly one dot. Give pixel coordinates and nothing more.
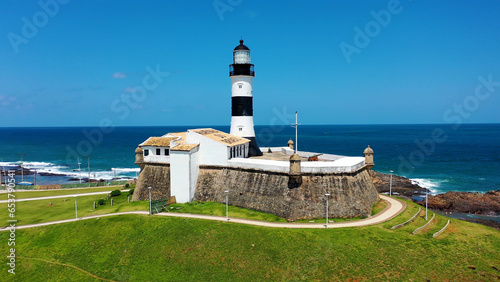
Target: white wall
(153, 158)
(179, 176)
(270, 165)
(246, 125)
(347, 164)
(211, 152)
(194, 170)
(246, 86)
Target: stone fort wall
(351, 194)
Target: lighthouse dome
(241, 46)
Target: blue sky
(78, 63)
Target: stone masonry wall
(352, 195)
(156, 176)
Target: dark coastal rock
(467, 202)
(487, 222)
(400, 184)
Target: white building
(186, 151)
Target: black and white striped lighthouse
(241, 72)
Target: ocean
(439, 157)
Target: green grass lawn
(45, 193)
(155, 248)
(219, 209)
(37, 211)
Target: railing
(158, 206)
(422, 227)
(241, 69)
(442, 229)
(408, 221)
(66, 186)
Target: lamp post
(79, 170)
(88, 161)
(22, 170)
(150, 207)
(390, 184)
(76, 208)
(34, 180)
(327, 209)
(227, 205)
(426, 193)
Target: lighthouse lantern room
(241, 72)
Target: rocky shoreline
(487, 204)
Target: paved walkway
(394, 207)
(61, 196)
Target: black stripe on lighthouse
(242, 106)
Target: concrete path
(62, 196)
(394, 207)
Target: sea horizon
(465, 161)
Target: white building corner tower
(241, 72)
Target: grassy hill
(139, 248)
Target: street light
(79, 170)
(227, 207)
(22, 171)
(327, 209)
(88, 160)
(76, 208)
(426, 193)
(390, 185)
(150, 208)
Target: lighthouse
(241, 72)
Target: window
(241, 129)
(158, 152)
(240, 85)
(146, 153)
(167, 152)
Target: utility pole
(227, 205)
(150, 207)
(76, 208)
(426, 193)
(390, 184)
(22, 170)
(79, 170)
(88, 161)
(327, 194)
(296, 125)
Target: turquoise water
(438, 157)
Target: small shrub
(101, 202)
(131, 192)
(126, 185)
(115, 193)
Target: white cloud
(119, 75)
